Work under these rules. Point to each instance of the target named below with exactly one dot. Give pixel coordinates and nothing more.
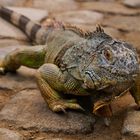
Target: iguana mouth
(93, 75)
(96, 79)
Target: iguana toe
(74, 106)
(62, 105)
(59, 108)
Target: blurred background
(120, 18)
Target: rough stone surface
(28, 110)
(8, 43)
(10, 31)
(95, 0)
(109, 7)
(13, 2)
(124, 23)
(6, 134)
(44, 138)
(23, 79)
(4, 96)
(133, 38)
(79, 17)
(55, 5)
(131, 125)
(132, 3)
(112, 32)
(32, 13)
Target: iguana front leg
(51, 82)
(32, 57)
(135, 91)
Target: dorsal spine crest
(83, 33)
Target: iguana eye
(107, 54)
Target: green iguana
(72, 61)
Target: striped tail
(35, 32)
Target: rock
(11, 32)
(28, 110)
(124, 23)
(13, 2)
(6, 134)
(109, 7)
(79, 17)
(133, 38)
(10, 43)
(32, 13)
(132, 3)
(51, 138)
(112, 32)
(55, 5)
(23, 79)
(5, 95)
(131, 125)
(95, 0)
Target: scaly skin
(72, 61)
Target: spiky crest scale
(81, 32)
(99, 29)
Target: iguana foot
(62, 105)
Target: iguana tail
(35, 32)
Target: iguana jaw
(93, 81)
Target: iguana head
(110, 63)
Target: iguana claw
(62, 105)
(59, 108)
